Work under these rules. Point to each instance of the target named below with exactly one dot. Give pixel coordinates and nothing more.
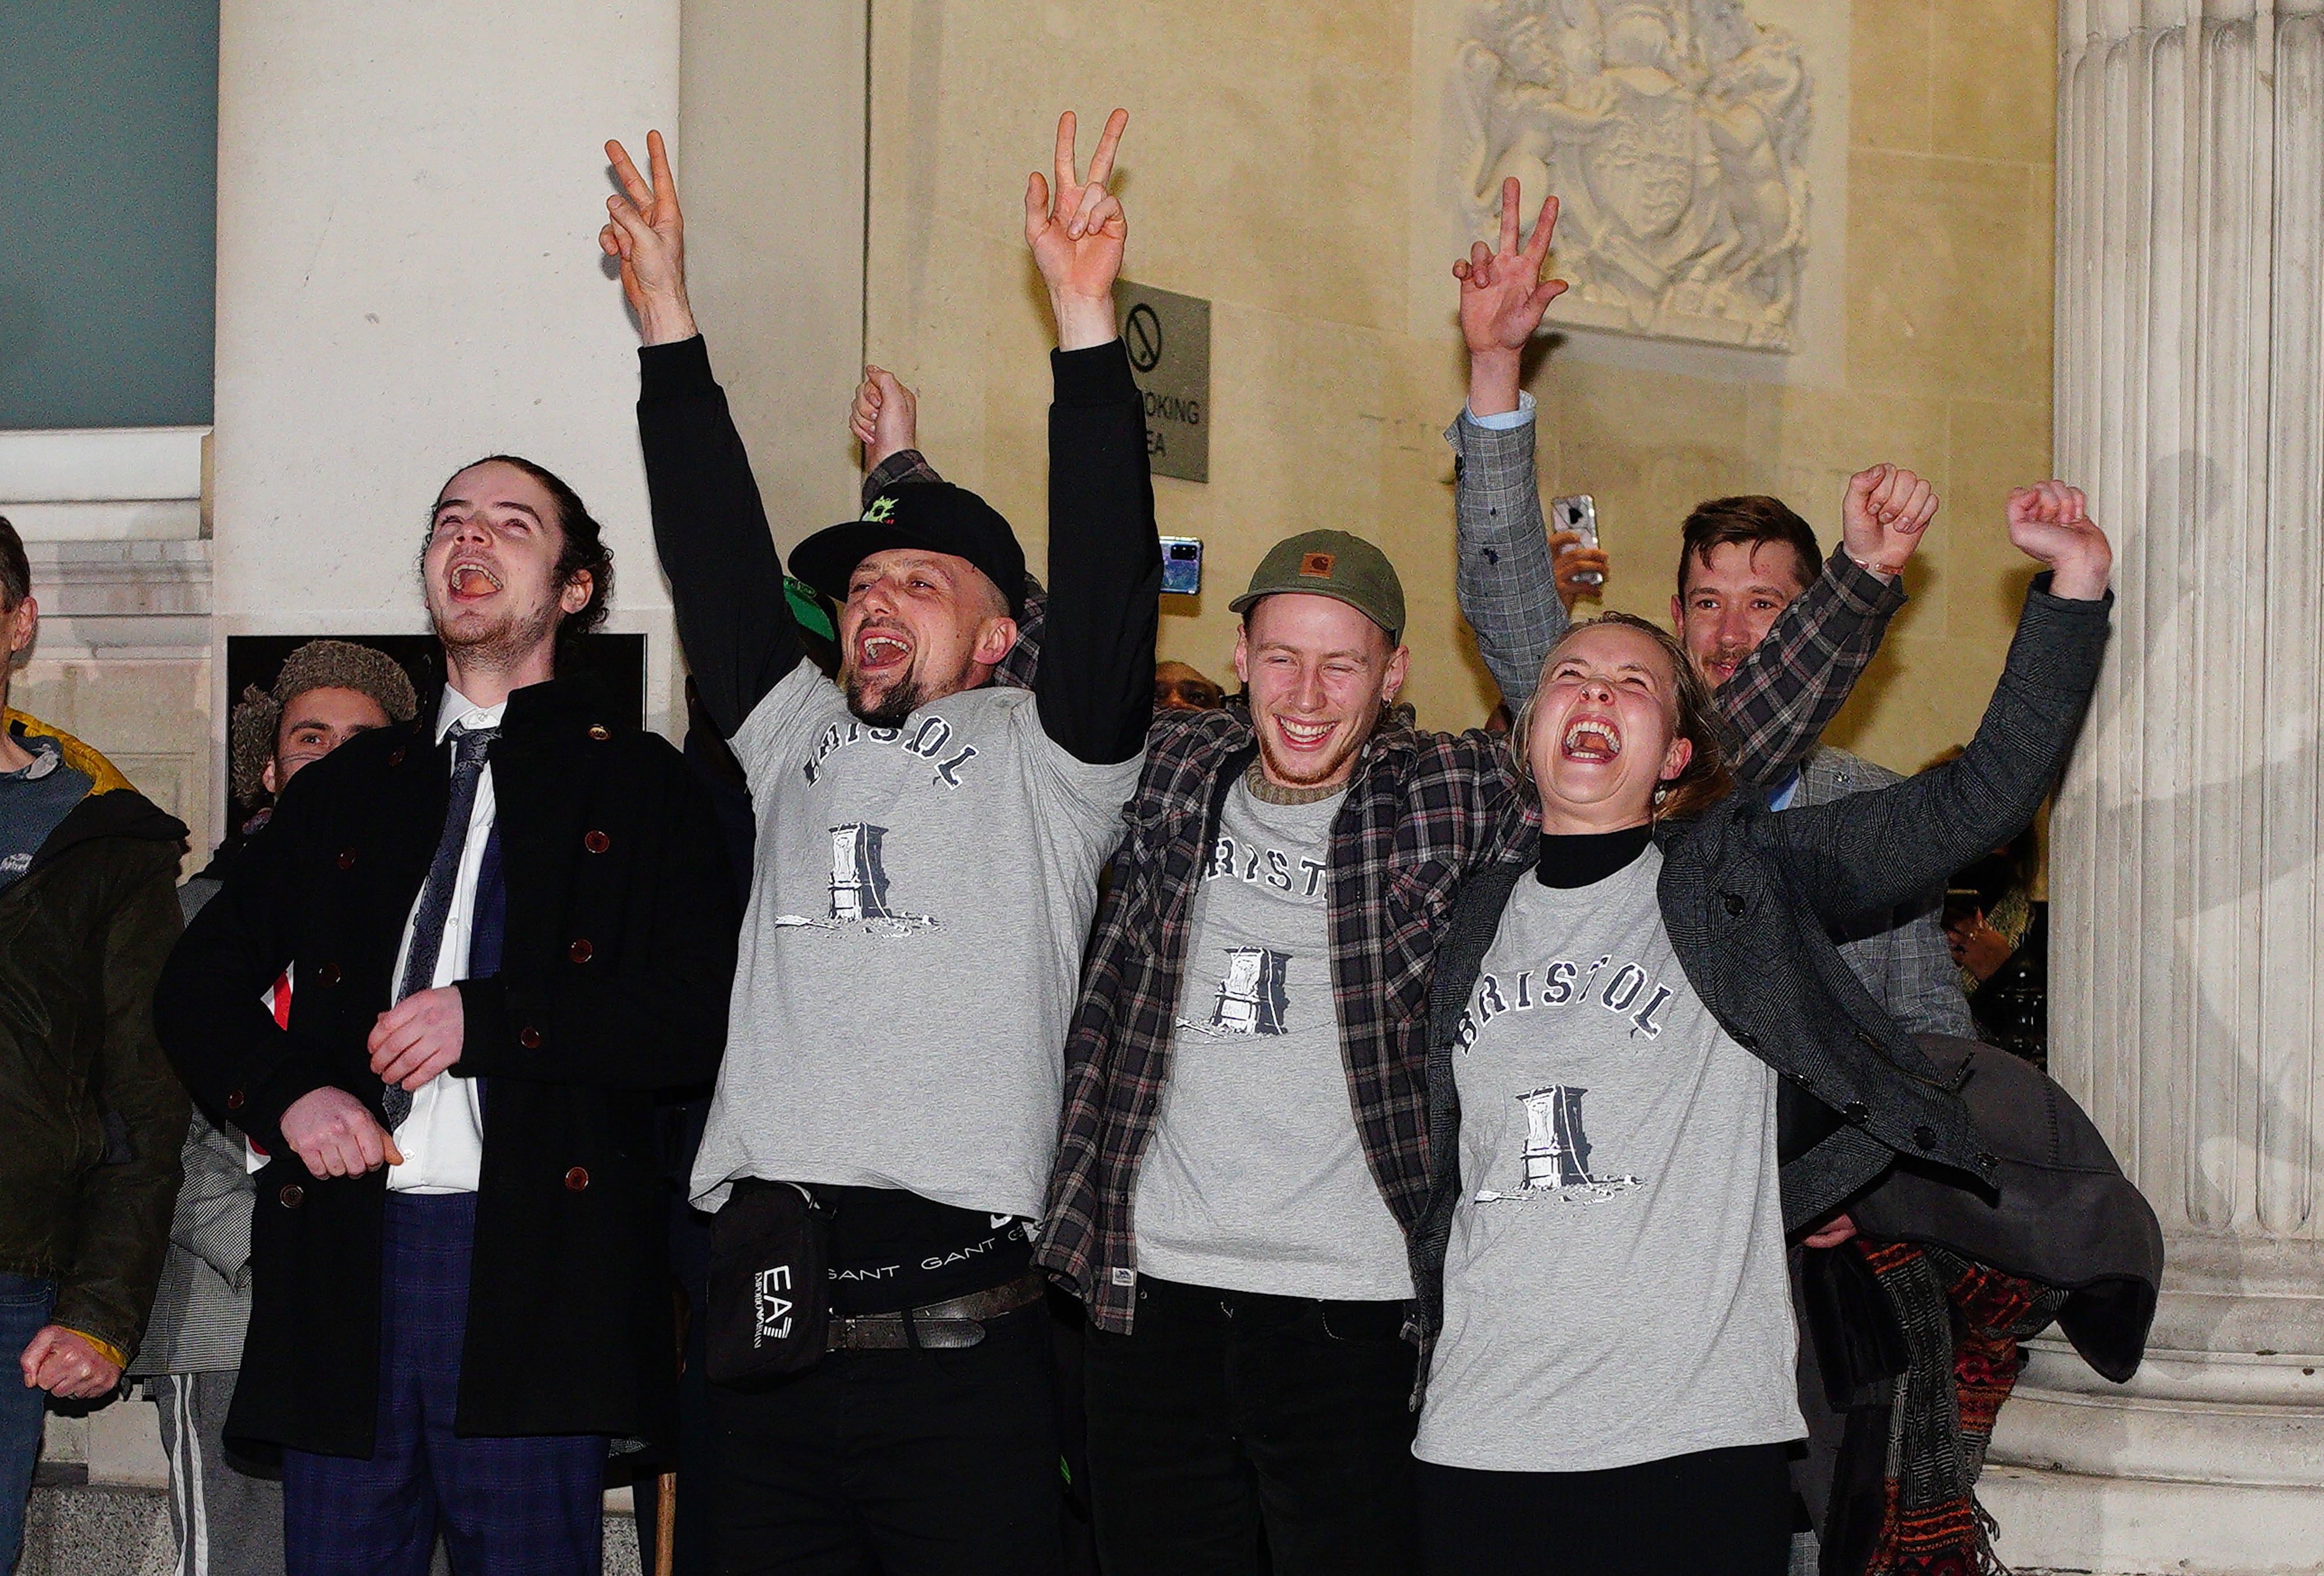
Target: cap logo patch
(882, 508)
(1316, 563)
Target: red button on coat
(233, 1102)
(581, 951)
(596, 842)
(292, 1196)
(395, 756)
(346, 859)
(577, 1179)
(530, 1039)
(329, 975)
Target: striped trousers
(226, 1522)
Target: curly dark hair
(583, 549)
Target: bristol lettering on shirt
(1562, 983)
(1614, 1283)
(929, 737)
(1254, 992)
(1298, 874)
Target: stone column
(2188, 911)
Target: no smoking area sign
(1168, 338)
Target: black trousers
(1714, 1513)
(1229, 1418)
(896, 1464)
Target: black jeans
(1224, 1418)
(896, 1464)
(1713, 1513)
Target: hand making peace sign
(1502, 298)
(1077, 234)
(648, 234)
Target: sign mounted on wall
(1168, 338)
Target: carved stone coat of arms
(1673, 133)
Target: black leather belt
(945, 1326)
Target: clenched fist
(2050, 523)
(337, 1136)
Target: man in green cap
(1240, 1161)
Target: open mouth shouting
(1592, 740)
(471, 580)
(882, 649)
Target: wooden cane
(665, 1485)
(664, 1523)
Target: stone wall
(1268, 168)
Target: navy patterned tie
(468, 748)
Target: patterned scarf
(1961, 1324)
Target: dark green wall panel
(108, 117)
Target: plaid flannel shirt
(1422, 811)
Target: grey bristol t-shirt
(912, 947)
(1615, 1289)
(1255, 1177)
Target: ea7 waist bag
(770, 1296)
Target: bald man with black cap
(927, 858)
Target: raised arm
(1870, 852)
(1778, 702)
(885, 419)
(1095, 685)
(710, 529)
(1506, 575)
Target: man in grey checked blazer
(1901, 957)
(1742, 561)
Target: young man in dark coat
(91, 1115)
(505, 924)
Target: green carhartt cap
(1333, 564)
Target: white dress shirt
(443, 1139)
(1505, 420)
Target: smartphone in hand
(1182, 566)
(1577, 514)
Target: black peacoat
(618, 954)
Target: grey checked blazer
(202, 1306)
(1905, 962)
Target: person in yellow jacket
(91, 1116)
